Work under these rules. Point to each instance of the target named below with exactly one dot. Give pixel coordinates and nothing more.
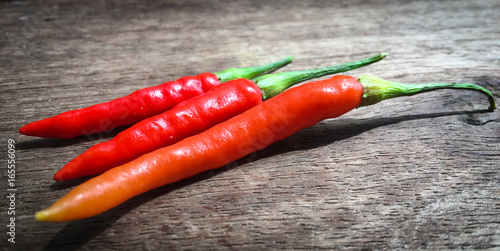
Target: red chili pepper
(191, 117)
(137, 106)
(262, 125)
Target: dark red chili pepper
(255, 129)
(137, 106)
(191, 117)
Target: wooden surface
(410, 173)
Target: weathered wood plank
(417, 172)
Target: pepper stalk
(251, 72)
(377, 89)
(274, 84)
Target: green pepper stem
(251, 72)
(376, 89)
(273, 84)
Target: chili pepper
(191, 117)
(260, 126)
(138, 105)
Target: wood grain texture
(410, 173)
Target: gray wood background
(410, 173)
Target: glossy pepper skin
(268, 122)
(191, 117)
(255, 129)
(122, 111)
(138, 105)
(186, 119)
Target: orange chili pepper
(262, 125)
